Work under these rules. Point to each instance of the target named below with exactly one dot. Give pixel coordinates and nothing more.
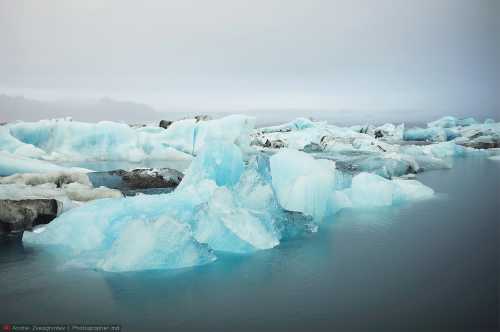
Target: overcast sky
(231, 54)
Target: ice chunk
(9, 143)
(302, 183)
(12, 164)
(145, 245)
(388, 165)
(445, 149)
(58, 178)
(297, 124)
(370, 190)
(205, 209)
(220, 161)
(389, 130)
(444, 122)
(84, 193)
(227, 227)
(70, 195)
(411, 190)
(72, 140)
(191, 136)
(432, 134)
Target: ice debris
(234, 197)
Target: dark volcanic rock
(482, 144)
(138, 180)
(313, 147)
(17, 216)
(202, 117)
(278, 144)
(165, 123)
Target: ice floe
(246, 188)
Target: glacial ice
(297, 124)
(13, 164)
(432, 134)
(213, 216)
(144, 245)
(451, 121)
(234, 197)
(302, 183)
(371, 190)
(63, 139)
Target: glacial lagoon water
(427, 265)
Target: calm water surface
(431, 265)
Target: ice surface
(12, 164)
(71, 195)
(190, 136)
(59, 177)
(297, 124)
(233, 197)
(71, 140)
(432, 134)
(302, 183)
(451, 121)
(144, 245)
(221, 162)
(204, 209)
(370, 190)
(226, 226)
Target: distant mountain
(14, 108)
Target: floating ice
(144, 245)
(59, 178)
(370, 190)
(297, 124)
(72, 140)
(233, 198)
(432, 134)
(451, 121)
(221, 162)
(302, 183)
(190, 135)
(225, 226)
(13, 164)
(204, 210)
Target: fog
(410, 58)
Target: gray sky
(230, 54)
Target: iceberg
(297, 124)
(14, 164)
(370, 190)
(63, 139)
(431, 134)
(190, 135)
(143, 245)
(234, 197)
(205, 211)
(302, 183)
(225, 226)
(451, 121)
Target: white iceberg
(302, 183)
(13, 164)
(204, 210)
(76, 141)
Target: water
(428, 265)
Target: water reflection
(421, 265)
